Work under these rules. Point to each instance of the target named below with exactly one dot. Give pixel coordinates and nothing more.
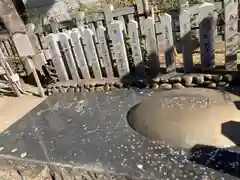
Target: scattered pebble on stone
(14, 150)
(140, 166)
(23, 155)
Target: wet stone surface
(90, 130)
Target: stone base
(187, 117)
(87, 136)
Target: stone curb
(177, 82)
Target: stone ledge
(163, 83)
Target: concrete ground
(13, 108)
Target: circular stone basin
(188, 117)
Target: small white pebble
(23, 155)
(14, 150)
(1, 148)
(227, 146)
(140, 166)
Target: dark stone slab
(90, 131)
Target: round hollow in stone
(188, 117)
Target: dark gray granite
(90, 130)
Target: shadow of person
(231, 130)
(224, 160)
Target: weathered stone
(164, 80)
(63, 90)
(49, 89)
(110, 84)
(222, 84)
(58, 86)
(198, 80)
(99, 89)
(156, 79)
(192, 85)
(154, 86)
(187, 80)
(55, 90)
(113, 88)
(118, 85)
(207, 77)
(186, 117)
(49, 93)
(178, 86)
(65, 85)
(227, 78)
(212, 85)
(78, 89)
(50, 86)
(206, 83)
(92, 89)
(86, 90)
(87, 86)
(217, 78)
(165, 86)
(106, 87)
(70, 90)
(92, 85)
(175, 80)
(73, 85)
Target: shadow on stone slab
(220, 159)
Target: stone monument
(188, 117)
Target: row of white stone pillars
(87, 47)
